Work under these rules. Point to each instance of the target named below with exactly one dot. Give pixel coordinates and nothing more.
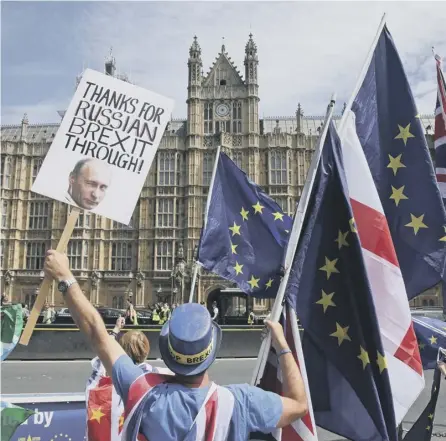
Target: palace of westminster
(152, 259)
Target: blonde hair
(136, 345)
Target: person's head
(189, 341)
(89, 182)
(23, 305)
(136, 346)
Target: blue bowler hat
(189, 341)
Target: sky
(307, 50)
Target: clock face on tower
(222, 110)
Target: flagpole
(296, 230)
(362, 74)
(205, 220)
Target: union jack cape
(105, 409)
(211, 423)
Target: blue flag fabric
(329, 289)
(424, 425)
(391, 134)
(431, 336)
(245, 234)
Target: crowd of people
(181, 402)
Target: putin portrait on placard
(88, 183)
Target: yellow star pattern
(235, 229)
(364, 357)
(258, 208)
(96, 414)
(238, 268)
(352, 223)
(417, 116)
(397, 194)
(443, 239)
(382, 363)
(233, 248)
(341, 334)
(326, 300)
(431, 416)
(329, 267)
(404, 133)
(428, 428)
(278, 216)
(253, 282)
(244, 214)
(269, 284)
(422, 346)
(395, 163)
(342, 239)
(433, 340)
(416, 223)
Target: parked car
(436, 313)
(144, 316)
(63, 315)
(110, 315)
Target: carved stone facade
(153, 256)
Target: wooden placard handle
(46, 284)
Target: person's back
(170, 409)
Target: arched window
(278, 168)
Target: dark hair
(23, 305)
(78, 167)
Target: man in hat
(188, 405)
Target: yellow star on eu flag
(443, 239)
(278, 216)
(404, 133)
(382, 363)
(244, 214)
(428, 428)
(96, 414)
(326, 300)
(235, 229)
(431, 416)
(329, 267)
(433, 340)
(422, 346)
(353, 227)
(342, 239)
(416, 223)
(395, 163)
(364, 357)
(397, 194)
(341, 333)
(258, 208)
(269, 284)
(253, 282)
(238, 268)
(233, 248)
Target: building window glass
(237, 157)
(208, 165)
(118, 302)
(83, 221)
(119, 226)
(165, 213)
(283, 203)
(208, 118)
(166, 168)
(2, 252)
(37, 163)
(35, 255)
(74, 253)
(4, 214)
(164, 255)
(278, 169)
(121, 256)
(237, 117)
(39, 214)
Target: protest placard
(104, 147)
(100, 156)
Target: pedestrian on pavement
(188, 405)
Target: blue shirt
(172, 408)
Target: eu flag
(329, 289)
(431, 336)
(424, 425)
(391, 134)
(245, 234)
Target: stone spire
(110, 64)
(251, 61)
(299, 117)
(195, 64)
(24, 128)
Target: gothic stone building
(114, 261)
